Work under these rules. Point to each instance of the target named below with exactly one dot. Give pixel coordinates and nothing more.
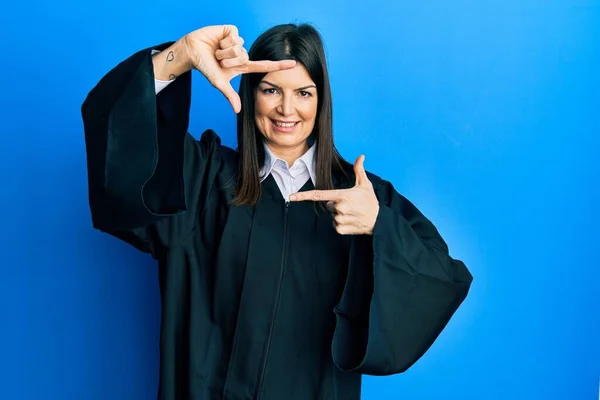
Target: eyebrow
(297, 90)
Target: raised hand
(218, 53)
(354, 210)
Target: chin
(286, 140)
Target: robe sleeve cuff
(145, 146)
(386, 322)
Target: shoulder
(389, 196)
(209, 152)
(385, 190)
(375, 179)
(346, 178)
(211, 145)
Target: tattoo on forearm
(170, 56)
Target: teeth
(285, 125)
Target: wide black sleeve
(147, 176)
(401, 291)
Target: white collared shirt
(289, 179)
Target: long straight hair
(286, 42)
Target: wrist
(171, 62)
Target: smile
(284, 126)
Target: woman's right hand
(218, 53)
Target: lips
(284, 126)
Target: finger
(241, 60)
(268, 66)
(345, 229)
(232, 96)
(341, 219)
(359, 171)
(231, 36)
(318, 195)
(343, 208)
(231, 41)
(230, 52)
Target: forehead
(292, 78)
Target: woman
(266, 294)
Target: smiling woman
(264, 296)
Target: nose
(286, 106)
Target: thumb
(359, 171)
(232, 96)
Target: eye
(269, 91)
(304, 93)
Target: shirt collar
(308, 159)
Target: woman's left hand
(354, 210)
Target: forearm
(171, 62)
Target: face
(286, 109)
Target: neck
(289, 154)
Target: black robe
(266, 302)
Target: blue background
(484, 114)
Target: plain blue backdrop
(484, 114)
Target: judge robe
(261, 302)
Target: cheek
(261, 107)
(261, 111)
(308, 111)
